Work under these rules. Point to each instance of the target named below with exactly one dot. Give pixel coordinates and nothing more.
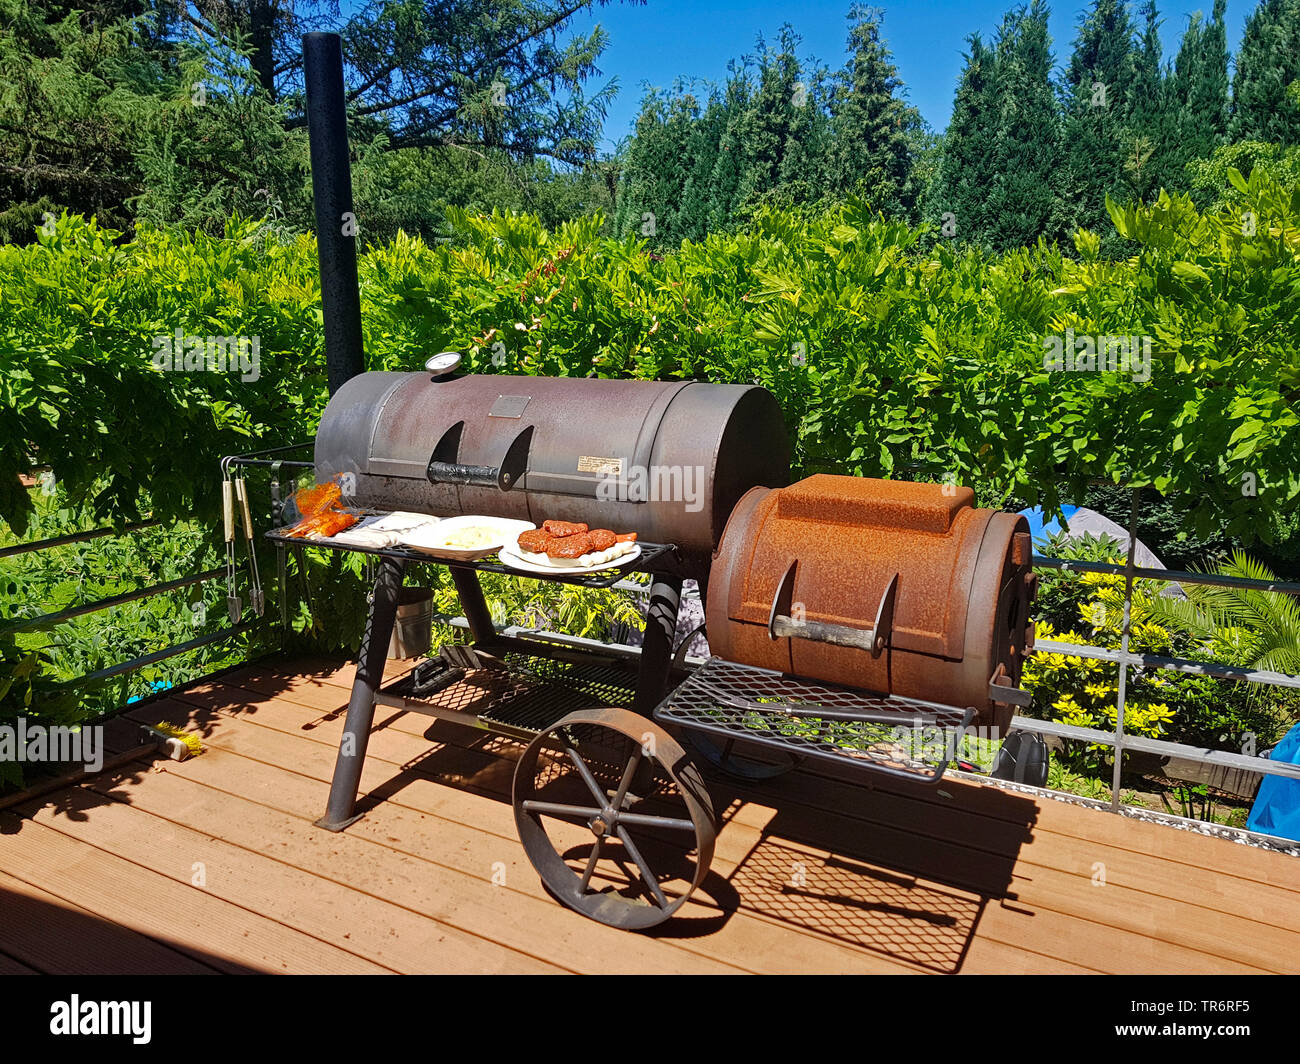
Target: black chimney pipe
(336, 223)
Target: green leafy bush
(882, 355)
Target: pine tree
(1267, 64)
(769, 121)
(1197, 109)
(1099, 141)
(733, 159)
(803, 177)
(872, 126)
(653, 176)
(1023, 199)
(1208, 101)
(958, 200)
(701, 157)
(1151, 132)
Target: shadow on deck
(214, 865)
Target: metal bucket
(413, 629)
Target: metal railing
(49, 620)
(1119, 739)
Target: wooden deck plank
(1182, 955)
(226, 936)
(1111, 928)
(381, 932)
(1187, 848)
(471, 902)
(989, 815)
(953, 823)
(452, 842)
(963, 877)
(44, 932)
(10, 966)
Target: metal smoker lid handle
(874, 640)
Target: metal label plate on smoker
(608, 466)
(509, 406)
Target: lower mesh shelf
(528, 695)
(742, 704)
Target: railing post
(1123, 645)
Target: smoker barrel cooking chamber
(882, 585)
(665, 459)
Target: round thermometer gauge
(443, 364)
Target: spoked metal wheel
(740, 759)
(614, 817)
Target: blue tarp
(1277, 805)
(1040, 530)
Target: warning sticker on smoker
(612, 467)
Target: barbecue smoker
(863, 622)
(860, 622)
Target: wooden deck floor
(213, 865)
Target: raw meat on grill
(564, 528)
(602, 538)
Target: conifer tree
(958, 201)
(1098, 138)
(1207, 102)
(1023, 199)
(733, 160)
(1268, 63)
(653, 176)
(872, 126)
(701, 157)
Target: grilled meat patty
(564, 528)
(574, 546)
(535, 540)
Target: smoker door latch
(787, 620)
(445, 469)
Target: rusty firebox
(883, 585)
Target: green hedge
(887, 360)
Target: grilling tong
(232, 491)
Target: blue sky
(663, 39)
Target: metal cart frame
(724, 711)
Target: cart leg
(361, 707)
(470, 592)
(657, 648)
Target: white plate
(434, 540)
(513, 557)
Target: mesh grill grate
(530, 694)
(903, 737)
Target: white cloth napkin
(383, 531)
